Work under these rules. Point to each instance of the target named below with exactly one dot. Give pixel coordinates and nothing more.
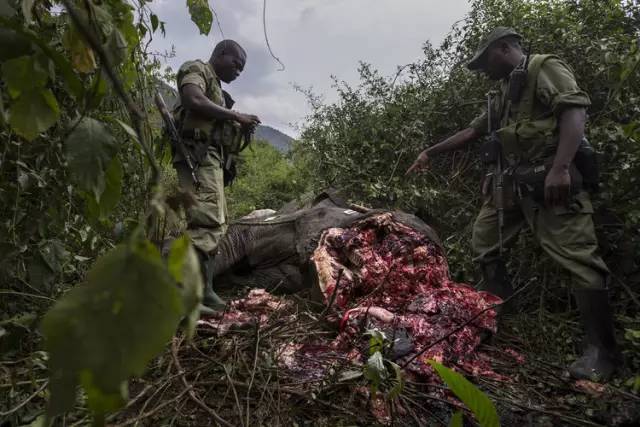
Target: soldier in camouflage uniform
(542, 131)
(208, 126)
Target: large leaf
(73, 83)
(23, 74)
(82, 56)
(106, 330)
(469, 394)
(100, 209)
(33, 112)
(184, 266)
(116, 46)
(89, 150)
(201, 15)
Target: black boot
(600, 357)
(209, 299)
(494, 275)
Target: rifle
(498, 176)
(176, 140)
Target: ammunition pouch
(197, 142)
(530, 178)
(490, 151)
(230, 136)
(586, 161)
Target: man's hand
(420, 164)
(247, 120)
(557, 186)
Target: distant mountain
(281, 141)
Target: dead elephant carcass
(374, 270)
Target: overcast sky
(314, 39)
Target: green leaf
(375, 371)
(89, 151)
(376, 340)
(98, 91)
(128, 129)
(398, 385)
(469, 394)
(73, 83)
(154, 22)
(33, 112)
(113, 187)
(201, 15)
(23, 74)
(99, 210)
(106, 330)
(456, 420)
(82, 56)
(116, 46)
(184, 266)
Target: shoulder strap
(528, 99)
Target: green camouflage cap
(477, 62)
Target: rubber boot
(495, 281)
(600, 357)
(494, 275)
(210, 299)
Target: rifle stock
(176, 140)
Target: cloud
(314, 38)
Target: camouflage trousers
(207, 218)
(566, 234)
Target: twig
(192, 394)
(253, 371)
(266, 38)
(24, 402)
(24, 294)
(633, 296)
(235, 394)
(334, 294)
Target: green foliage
(379, 370)
(62, 203)
(107, 329)
(201, 15)
(34, 108)
(89, 151)
(364, 143)
(184, 267)
(476, 400)
(456, 420)
(266, 180)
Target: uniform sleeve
(191, 73)
(557, 87)
(479, 124)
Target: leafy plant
(378, 370)
(470, 395)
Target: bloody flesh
(392, 278)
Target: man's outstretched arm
(454, 142)
(194, 99)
